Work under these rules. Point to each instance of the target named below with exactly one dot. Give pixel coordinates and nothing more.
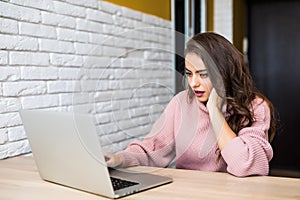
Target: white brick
(3, 58)
(67, 99)
(76, 98)
(94, 61)
(68, 9)
(124, 22)
(97, 38)
(135, 64)
(40, 4)
(3, 151)
(58, 20)
(27, 58)
(19, 12)
(114, 51)
(71, 35)
(3, 136)
(129, 13)
(8, 26)
(104, 107)
(88, 49)
(93, 85)
(37, 30)
(135, 54)
(89, 26)
(16, 133)
(156, 55)
(142, 25)
(18, 147)
(109, 7)
(121, 94)
(114, 137)
(102, 118)
(108, 129)
(11, 42)
(61, 86)
(56, 46)
(127, 84)
(9, 105)
(39, 73)
(66, 60)
(122, 42)
(138, 131)
(70, 73)
(120, 117)
(103, 96)
(23, 88)
(112, 29)
(97, 74)
(42, 101)
(10, 73)
(82, 108)
(152, 37)
(151, 19)
(99, 16)
(85, 3)
(10, 119)
(223, 18)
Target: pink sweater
(184, 132)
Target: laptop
(67, 151)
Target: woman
(220, 123)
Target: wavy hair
(231, 79)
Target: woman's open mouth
(199, 93)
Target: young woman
(220, 123)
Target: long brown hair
(234, 76)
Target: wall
(83, 56)
(223, 18)
(159, 8)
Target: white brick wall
(223, 18)
(83, 56)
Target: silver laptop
(67, 151)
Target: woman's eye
(204, 75)
(188, 73)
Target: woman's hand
(223, 132)
(214, 101)
(113, 160)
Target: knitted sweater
(184, 132)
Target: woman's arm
(247, 152)
(222, 131)
(156, 149)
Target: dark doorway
(187, 23)
(274, 43)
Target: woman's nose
(195, 82)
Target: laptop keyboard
(120, 183)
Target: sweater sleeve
(157, 148)
(250, 152)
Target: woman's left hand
(223, 132)
(214, 101)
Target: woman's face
(197, 76)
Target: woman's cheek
(208, 85)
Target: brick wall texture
(82, 56)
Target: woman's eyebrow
(200, 70)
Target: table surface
(19, 179)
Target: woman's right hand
(113, 160)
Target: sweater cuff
(232, 150)
(234, 156)
(128, 160)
